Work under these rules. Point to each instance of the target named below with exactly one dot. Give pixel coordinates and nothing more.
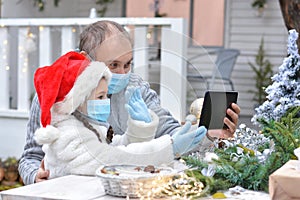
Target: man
(108, 42)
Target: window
(205, 17)
(207, 22)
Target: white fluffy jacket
(71, 148)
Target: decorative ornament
(209, 171)
(196, 107)
(249, 138)
(30, 43)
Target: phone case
(214, 108)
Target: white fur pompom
(46, 135)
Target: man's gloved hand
(184, 141)
(136, 106)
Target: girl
(74, 110)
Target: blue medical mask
(118, 82)
(98, 109)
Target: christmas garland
(239, 164)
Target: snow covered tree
(284, 93)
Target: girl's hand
(136, 106)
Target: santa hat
(67, 83)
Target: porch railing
(19, 37)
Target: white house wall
(244, 30)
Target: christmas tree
(284, 93)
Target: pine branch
(247, 170)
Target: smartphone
(214, 108)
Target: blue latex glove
(185, 141)
(136, 106)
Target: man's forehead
(112, 49)
(123, 58)
(117, 37)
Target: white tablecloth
(88, 187)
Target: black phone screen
(214, 108)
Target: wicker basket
(132, 183)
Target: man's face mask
(98, 109)
(118, 82)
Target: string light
(182, 187)
(177, 187)
(25, 63)
(148, 35)
(4, 53)
(30, 44)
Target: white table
(67, 187)
(85, 188)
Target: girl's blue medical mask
(118, 82)
(98, 109)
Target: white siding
(244, 30)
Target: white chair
(224, 64)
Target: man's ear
(83, 53)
